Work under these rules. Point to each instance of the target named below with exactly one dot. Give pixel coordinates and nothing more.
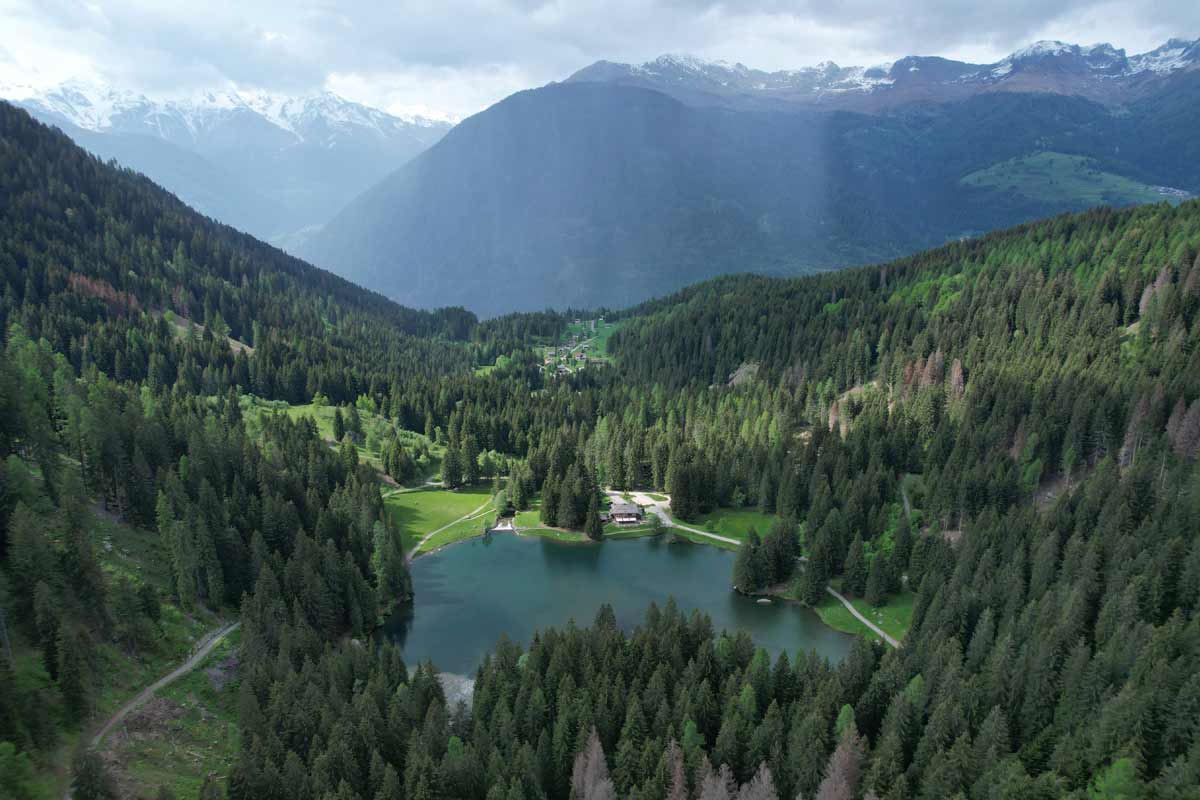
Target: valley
(738, 521)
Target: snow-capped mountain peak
(100, 108)
(1100, 70)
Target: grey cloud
(296, 46)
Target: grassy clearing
(466, 529)
(698, 539)
(556, 535)
(421, 512)
(658, 498)
(187, 732)
(735, 523)
(619, 532)
(894, 617)
(374, 428)
(128, 552)
(530, 517)
(1061, 178)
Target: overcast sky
(456, 57)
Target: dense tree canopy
(1007, 427)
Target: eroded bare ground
(168, 737)
(223, 672)
(1048, 493)
(158, 722)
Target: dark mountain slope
(200, 183)
(276, 167)
(591, 194)
(91, 253)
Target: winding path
(201, 651)
(659, 509)
(476, 514)
(850, 607)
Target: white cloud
(458, 56)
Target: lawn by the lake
(423, 511)
(894, 617)
(696, 538)
(735, 523)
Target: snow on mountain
(1176, 54)
(100, 108)
(1043, 49)
(826, 76)
(1044, 65)
(273, 165)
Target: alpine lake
(470, 594)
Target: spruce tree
(339, 425)
(814, 577)
(874, 592)
(854, 575)
(452, 471)
(747, 567)
(550, 502)
(593, 527)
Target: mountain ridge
(276, 166)
(1100, 71)
(592, 193)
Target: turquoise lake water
(471, 593)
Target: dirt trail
(850, 607)
(201, 651)
(659, 509)
(476, 514)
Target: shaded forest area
(1052, 653)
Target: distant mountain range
(1100, 72)
(275, 166)
(624, 182)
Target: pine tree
(814, 577)
(593, 527)
(46, 616)
(339, 425)
(550, 502)
(74, 672)
(390, 788)
(844, 772)
(470, 460)
(452, 470)
(760, 787)
(854, 575)
(748, 573)
(875, 588)
(718, 785)
(677, 787)
(16, 773)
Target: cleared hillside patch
(1060, 178)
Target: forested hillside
(132, 325)
(1041, 387)
(1054, 641)
(589, 194)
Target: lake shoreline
(521, 590)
